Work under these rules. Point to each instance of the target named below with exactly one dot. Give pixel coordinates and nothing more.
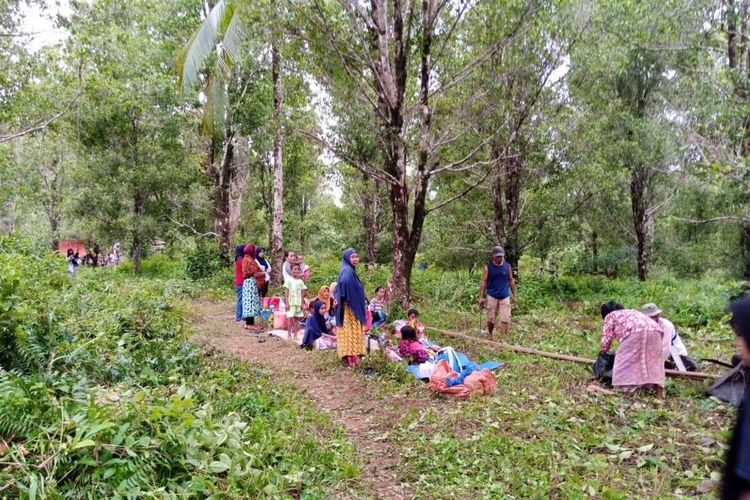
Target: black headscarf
(239, 252)
(315, 326)
(261, 260)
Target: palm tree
(221, 34)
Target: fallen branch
(564, 357)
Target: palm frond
(192, 57)
(216, 102)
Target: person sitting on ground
(296, 290)
(413, 318)
(333, 303)
(673, 346)
(411, 349)
(379, 317)
(639, 362)
(315, 326)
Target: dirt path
(366, 417)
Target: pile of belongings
(453, 373)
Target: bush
(102, 392)
(204, 262)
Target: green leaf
(218, 467)
(83, 444)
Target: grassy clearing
(542, 435)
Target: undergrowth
(102, 395)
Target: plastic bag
(603, 366)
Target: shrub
(203, 262)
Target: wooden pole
(564, 357)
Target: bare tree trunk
(643, 220)
(731, 33)
(506, 202)
(222, 190)
(277, 234)
(136, 249)
(370, 216)
(595, 250)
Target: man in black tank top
(497, 284)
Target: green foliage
(203, 262)
(101, 391)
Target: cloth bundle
(443, 381)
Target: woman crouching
(639, 361)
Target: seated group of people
(648, 343)
(320, 324)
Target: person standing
(265, 266)
(498, 291)
(296, 291)
(351, 314)
(253, 281)
(239, 278)
(72, 259)
(286, 268)
(736, 480)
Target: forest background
(596, 137)
(603, 143)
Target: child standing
(296, 291)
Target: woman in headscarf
(315, 326)
(639, 361)
(254, 279)
(265, 266)
(736, 482)
(239, 253)
(351, 314)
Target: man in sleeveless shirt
(497, 284)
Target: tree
(398, 62)
(131, 130)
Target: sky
(39, 23)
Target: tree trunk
(643, 220)
(139, 199)
(745, 249)
(731, 33)
(54, 226)
(595, 250)
(370, 216)
(277, 234)
(136, 249)
(506, 203)
(222, 197)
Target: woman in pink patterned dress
(639, 361)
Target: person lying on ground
(411, 349)
(672, 343)
(379, 317)
(736, 481)
(639, 361)
(296, 290)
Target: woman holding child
(351, 313)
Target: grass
(541, 434)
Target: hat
(650, 310)
(498, 251)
